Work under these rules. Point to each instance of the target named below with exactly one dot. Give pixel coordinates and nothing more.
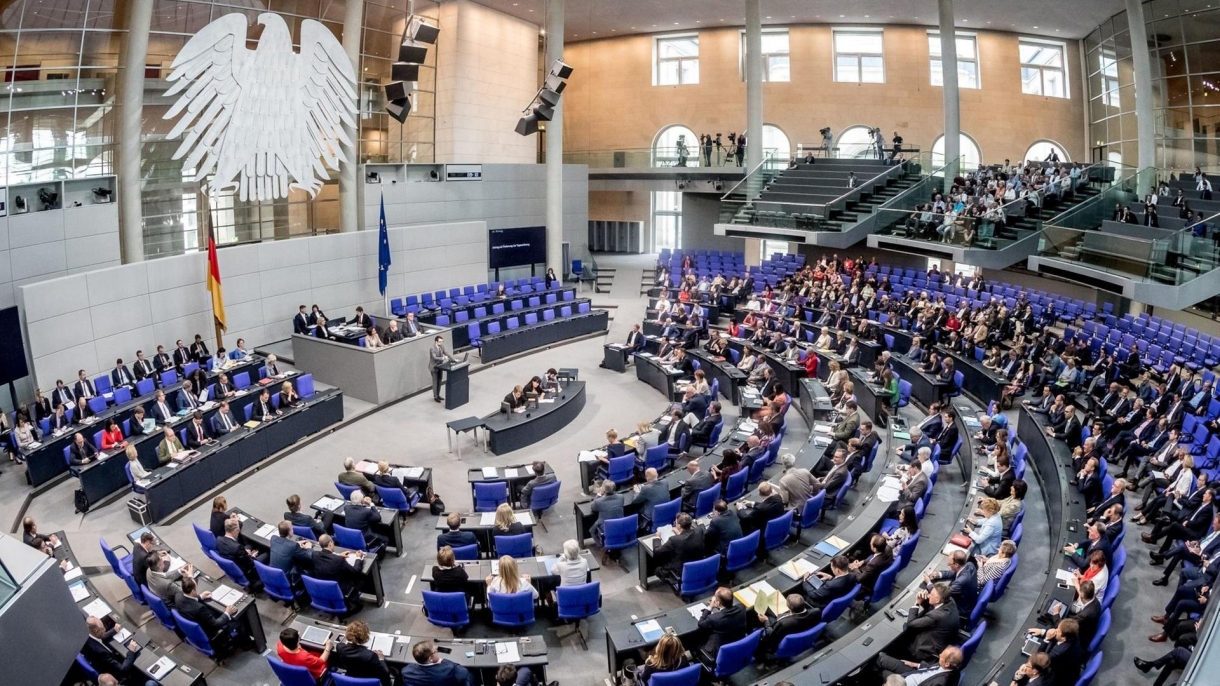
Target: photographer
(897, 140)
(683, 151)
(706, 143)
(827, 139)
(741, 148)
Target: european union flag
(383, 251)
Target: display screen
(516, 247)
(12, 347)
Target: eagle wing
(208, 72)
(326, 86)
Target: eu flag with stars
(383, 251)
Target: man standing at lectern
(437, 357)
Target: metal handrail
(849, 191)
(766, 158)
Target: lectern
(457, 383)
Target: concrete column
(754, 76)
(1142, 66)
(131, 114)
(948, 68)
(349, 194)
(554, 147)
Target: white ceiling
(591, 19)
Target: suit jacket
(1066, 661)
(635, 341)
(867, 574)
(163, 362)
(360, 663)
(166, 585)
(409, 327)
(722, 530)
(527, 491)
(63, 396)
(915, 490)
(187, 400)
(456, 539)
(162, 412)
(680, 549)
(81, 386)
(443, 673)
(930, 628)
(182, 357)
(1088, 617)
(724, 625)
(213, 621)
(143, 369)
(330, 566)
(363, 320)
(300, 324)
(651, 495)
(199, 351)
(105, 659)
(776, 629)
(695, 484)
(168, 449)
(218, 424)
(963, 586)
(755, 518)
(834, 479)
(81, 452)
(287, 556)
(948, 438)
(121, 376)
(58, 422)
(362, 519)
(232, 549)
(302, 519)
(196, 434)
(1001, 486)
(831, 589)
(1070, 433)
(846, 428)
(261, 411)
(697, 406)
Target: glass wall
(1184, 37)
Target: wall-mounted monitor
(516, 247)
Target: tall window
(859, 57)
(776, 141)
(768, 247)
(967, 60)
(666, 220)
(971, 156)
(855, 143)
(1040, 150)
(667, 150)
(1042, 69)
(1109, 80)
(677, 61)
(774, 55)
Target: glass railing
(1126, 255)
(792, 213)
(689, 156)
(930, 227)
(1119, 192)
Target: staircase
(603, 280)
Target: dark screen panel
(12, 347)
(516, 247)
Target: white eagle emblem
(262, 121)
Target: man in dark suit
(359, 514)
(685, 545)
(650, 494)
(298, 518)
(723, 529)
(121, 375)
(410, 327)
(944, 671)
(1192, 527)
(800, 618)
(161, 411)
(219, 626)
(358, 661)
(635, 339)
(837, 475)
(963, 578)
(1062, 646)
(455, 537)
(1086, 611)
(82, 411)
(224, 387)
(62, 395)
(187, 398)
(1070, 431)
(223, 422)
(230, 548)
(1096, 540)
(694, 403)
(143, 555)
(262, 410)
(695, 483)
(84, 387)
(931, 625)
(330, 566)
(723, 620)
(1000, 486)
(197, 434)
(300, 323)
(755, 517)
(541, 478)
(162, 361)
(835, 585)
(1036, 671)
(81, 452)
(361, 319)
(385, 479)
(106, 660)
(59, 421)
(914, 486)
(143, 368)
(292, 557)
(703, 430)
(1192, 552)
(199, 351)
(868, 569)
(181, 356)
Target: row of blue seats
(465, 295)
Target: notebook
(315, 635)
(650, 630)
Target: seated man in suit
(385, 479)
(350, 477)
(652, 493)
(143, 368)
(298, 518)
(723, 620)
(516, 399)
(62, 395)
(106, 660)
(59, 421)
(82, 411)
(931, 626)
(361, 319)
(837, 476)
(230, 548)
(754, 517)
(262, 410)
(703, 430)
(143, 554)
(163, 362)
(724, 528)
(330, 566)
(199, 351)
(392, 333)
(835, 585)
(694, 403)
(81, 452)
(188, 398)
(695, 483)
(224, 388)
(686, 545)
(541, 478)
(359, 514)
(166, 584)
(181, 356)
(161, 410)
(635, 339)
(411, 327)
(800, 618)
(136, 425)
(300, 323)
(358, 661)
(292, 557)
(220, 627)
(963, 578)
(944, 671)
(170, 445)
(197, 434)
(223, 422)
(455, 537)
(84, 387)
(868, 569)
(121, 375)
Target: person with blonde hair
(133, 459)
(289, 396)
(990, 529)
(509, 579)
(668, 656)
(506, 523)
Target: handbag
(962, 541)
(435, 505)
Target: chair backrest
(907, 549)
(657, 456)
(345, 490)
(521, 545)
(742, 552)
(393, 497)
(1103, 628)
(122, 394)
(835, 608)
(777, 531)
(1002, 584)
(665, 513)
(489, 495)
(93, 675)
(545, 497)
(972, 643)
(736, 487)
(195, 635)
(207, 540)
(230, 568)
(980, 606)
(579, 601)
(304, 532)
(811, 511)
(511, 609)
(1090, 669)
(621, 532)
(885, 581)
(733, 657)
(345, 680)
(275, 582)
(795, 644)
(325, 596)
(621, 468)
(706, 501)
(115, 566)
(160, 609)
(349, 538)
(466, 552)
(446, 609)
(687, 676)
(1111, 592)
(699, 576)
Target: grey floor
(413, 431)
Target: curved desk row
(177, 484)
(47, 460)
(390, 525)
(544, 333)
(513, 431)
(589, 463)
(648, 368)
(540, 569)
(724, 372)
(461, 328)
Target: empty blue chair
(777, 531)
(87, 668)
(699, 577)
(665, 514)
(473, 333)
(98, 404)
(811, 511)
(275, 583)
(511, 609)
(230, 569)
(544, 498)
(885, 582)
(326, 596)
(835, 608)
(160, 609)
(207, 541)
(734, 657)
(736, 486)
(742, 552)
(980, 606)
(794, 644)
(521, 545)
(345, 490)
(195, 635)
(574, 603)
(122, 394)
(466, 552)
(972, 643)
(448, 610)
(657, 457)
(346, 537)
(706, 501)
(621, 469)
(621, 533)
(687, 676)
(304, 532)
(397, 499)
(488, 496)
(1090, 669)
(1103, 628)
(121, 566)
(345, 680)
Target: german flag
(218, 299)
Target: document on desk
(79, 590)
(1064, 575)
(407, 472)
(265, 531)
(797, 569)
(646, 356)
(544, 401)
(161, 668)
(72, 573)
(526, 518)
(382, 642)
(489, 472)
(328, 503)
(487, 518)
(354, 560)
(366, 467)
(98, 608)
(176, 563)
(650, 630)
(586, 456)
(886, 494)
(507, 653)
(511, 473)
(665, 532)
(902, 436)
(823, 428)
(696, 610)
(831, 546)
(227, 596)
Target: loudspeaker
(548, 97)
(397, 90)
(423, 32)
(528, 125)
(561, 69)
(544, 113)
(411, 52)
(399, 109)
(404, 71)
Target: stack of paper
(831, 546)
(1064, 575)
(526, 518)
(586, 456)
(79, 590)
(176, 563)
(798, 568)
(409, 473)
(887, 494)
(98, 608)
(489, 472)
(665, 532)
(650, 630)
(73, 573)
(507, 653)
(328, 503)
(265, 531)
(227, 596)
(366, 467)
(696, 610)
(380, 641)
(510, 473)
(822, 428)
(487, 518)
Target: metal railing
(1092, 212)
(688, 157)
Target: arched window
(1040, 150)
(855, 143)
(665, 149)
(774, 139)
(972, 157)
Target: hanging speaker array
(542, 108)
(404, 73)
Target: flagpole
(205, 203)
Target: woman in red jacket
(112, 436)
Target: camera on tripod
(825, 131)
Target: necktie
(225, 418)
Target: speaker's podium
(457, 382)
